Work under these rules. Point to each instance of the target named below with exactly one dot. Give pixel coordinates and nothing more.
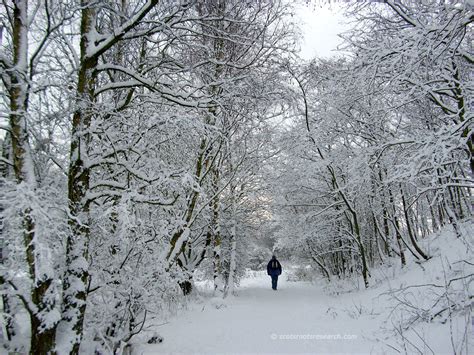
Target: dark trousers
(274, 281)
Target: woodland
(143, 141)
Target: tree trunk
(453, 220)
(229, 289)
(434, 223)
(42, 335)
(399, 243)
(409, 228)
(9, 325)
(216, 233)
(44, 341)
(179, 239)
(323, 268)
(461, 108)
(354, 226)
(398, 235)
(342, 258)
(365, 271)
(76, 277)
(460, 200)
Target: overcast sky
(320, 26)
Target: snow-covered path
(298, 318)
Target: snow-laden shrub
(258, 258)
(22, 270)
(131, 283)
(301, 273)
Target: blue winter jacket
(274, 267)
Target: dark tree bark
(410, 229)
(76, 277)
(42, 339)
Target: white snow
(262, 320)
(304, 317)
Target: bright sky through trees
(320, 26)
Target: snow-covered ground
(303, 317)
(261, 320)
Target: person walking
(274, 270)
